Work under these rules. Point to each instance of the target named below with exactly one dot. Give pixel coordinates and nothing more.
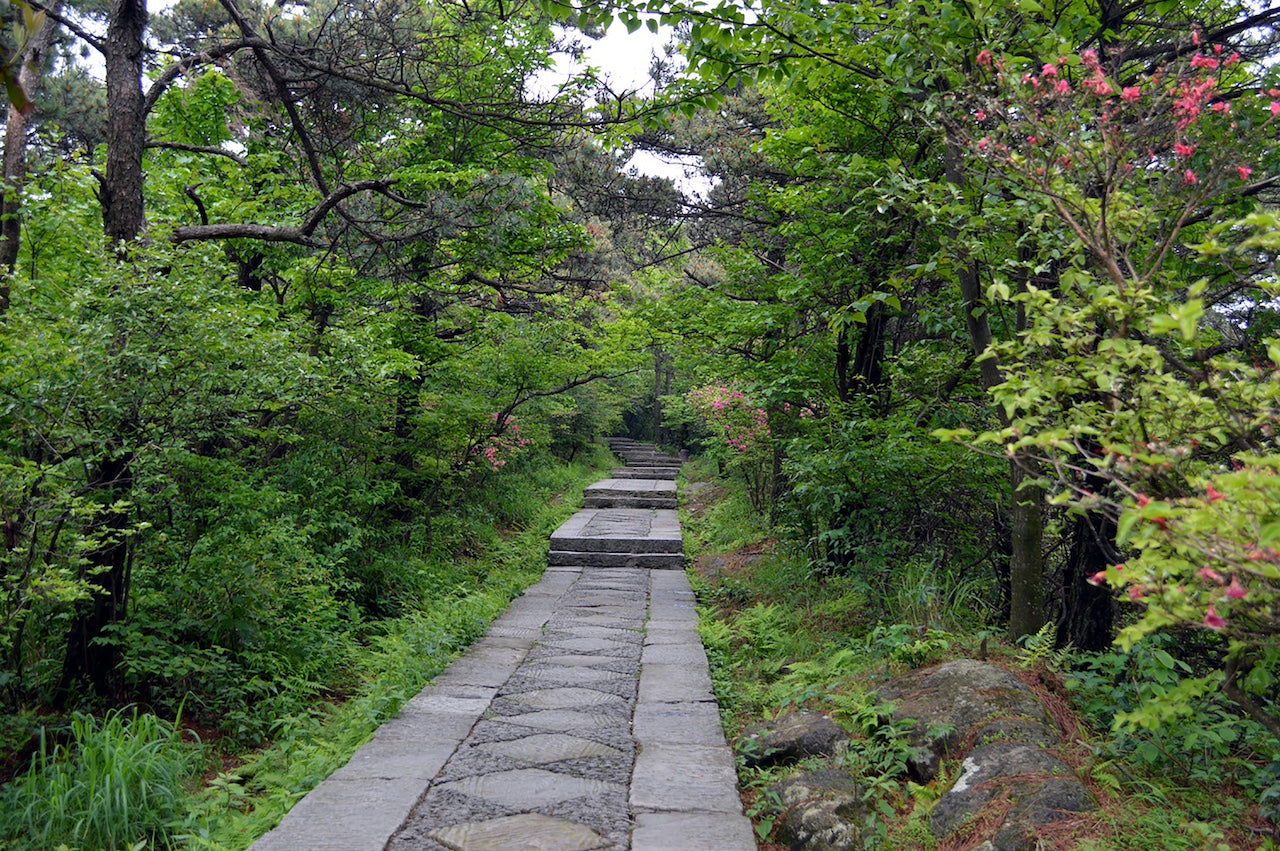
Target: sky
(624, 58)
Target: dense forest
(311, 313)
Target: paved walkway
(583, 720)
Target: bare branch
(302, 235)
(198, 149)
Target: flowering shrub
(1131, 381)
(739, 422)
(1115, 162)
(743, 435)
(502, 444)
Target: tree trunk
(868, 359)
(121, 195)
(659, 365)
(107, 571)
(15, 152)
(112, 477)
(1026, 559)
(1026, 569)
(1088, 611)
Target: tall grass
(119, 782)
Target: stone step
(619, 530)
(652, 462)
(629, 502)
(657, 561)
(632, 487)
(646, 473)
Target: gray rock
(1041, 788)
(791, 738)
(822, 811)
(948, 701)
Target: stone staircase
(628, 520)
(584, 720)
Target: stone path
(583, 720)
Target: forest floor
(778, 639)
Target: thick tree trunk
(1026, 569)
(122, 215)
(111, 478)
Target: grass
(118, 782)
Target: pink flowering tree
(1143, 382)
(741, 437)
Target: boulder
(947, 702)
(791, 738)
(1039, 788)
(822, 811)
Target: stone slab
(685, 778)
(686, 722)
(671, 633)
(674, 683)
(692, 832)
(605, 501)
(684, 654)
(529, 787)
(344, 815)
(563, 719)
(526, 832)
(545, 748)
(646, 473)
(389, 758)
(568, 697)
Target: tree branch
(301, 235)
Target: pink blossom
(1212, 620)
(1098, 84)
(984, 58)
(1221, 107)
(1208, 574)
(1033, 140)
(981, 116)
(1184, 150)
(1244, 171)
(1213, 494)
(1232, 59)
(983, 144)
(1099, 578)
(1236, 591)
(1275, 107)
(1089, 57)
(1189, 177)
(1137, 592)
(1201, 61)
(1049, 70)
(1130, 94)
(1195, 37)
(1062, 87)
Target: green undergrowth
(196, 784)
(781, 635)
